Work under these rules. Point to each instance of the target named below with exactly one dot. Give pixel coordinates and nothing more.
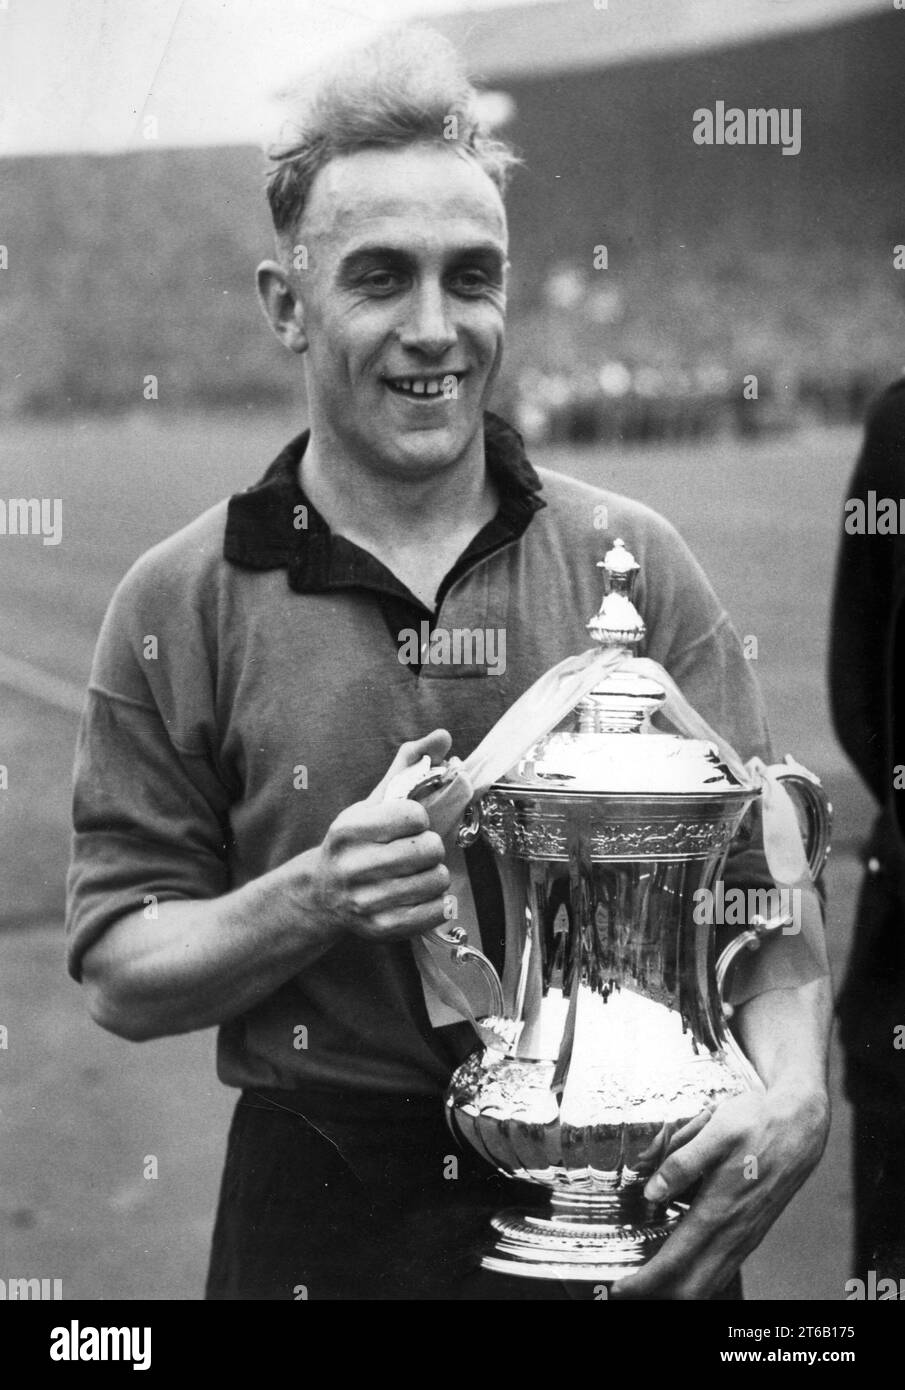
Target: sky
(113, 75)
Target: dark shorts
(385, 1206)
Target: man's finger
(375, 865)
(434, 745)
(665, 1142)
(688, 1164)
(414, 920)
(404, 892)
(702, 1254)
(688, 1131)
(379, 823)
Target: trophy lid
(599, 763)
(607, 743)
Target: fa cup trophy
(607, 1031)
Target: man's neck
(416, 527)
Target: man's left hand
(753, 1154)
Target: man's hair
(404, 88)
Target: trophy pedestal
(578, 1240)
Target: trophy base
(575, 1246)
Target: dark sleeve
(866, 636)
(149, 820)
(151, 809)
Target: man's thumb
(434, 746)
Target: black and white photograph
(452, 631)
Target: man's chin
(430, 450)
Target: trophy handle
(457, 939)
(415, 783)
(470, 828)
(815, 815)
(760, 929)
(814, 809)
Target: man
(234, 860)
(867, 676)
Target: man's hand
(380, 870)
(753, 1154)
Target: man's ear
(282, 305)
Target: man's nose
(427, 327)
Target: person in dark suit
(867, 687)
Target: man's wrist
(288, 898)
(806, 1087)
(803, 1101)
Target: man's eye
(469, 281)
(381, 281)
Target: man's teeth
(422, 386)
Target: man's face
(403, 304)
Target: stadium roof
(568, 35)
(110, 76)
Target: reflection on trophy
(607, 1032)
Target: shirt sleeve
(150, 810)
(710, 668)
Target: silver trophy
(607, 1032)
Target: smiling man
(234, 861)
(396, 396)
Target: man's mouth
(444, 386)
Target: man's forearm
(203, 962)
(378, 874)
(786, 1033)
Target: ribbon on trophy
(535, 714)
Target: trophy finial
(618, 622)
(619, 560)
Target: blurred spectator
(867, 680)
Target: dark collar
(272, 524)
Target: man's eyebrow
(490, 251)
(482, 251)
(373, 251)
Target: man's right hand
(380, 870)
(378, 874)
